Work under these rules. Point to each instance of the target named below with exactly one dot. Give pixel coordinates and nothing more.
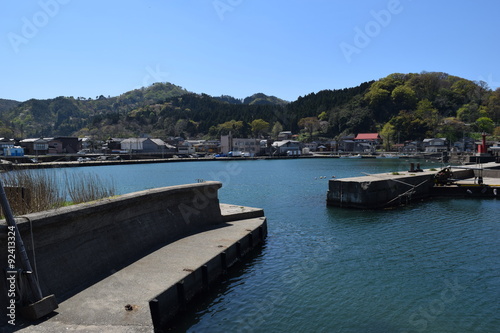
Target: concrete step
(162, 281)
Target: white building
(144, 145)
(435, 145)
(248, 147)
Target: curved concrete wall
(78, 245)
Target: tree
(452, 129)
(310, 124)
(277, 129)
(494, 106)
(403, 98)
(468, 113)
(427, 112)
(5, 131)
(410, 126)
(377, 97)
(180, 126)
(259, 126)
(232, 126)
(466, 89)
(323, 116)
(387, 133)
(484, 124)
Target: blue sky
(285, 48)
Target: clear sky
(285, 48)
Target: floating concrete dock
(147, 292)
(392, 189)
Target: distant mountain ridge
(412, 105)
(7, 104)
(255, 99)
(80, 115)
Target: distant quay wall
(25, 163)
(78, 246)
(385, 190)
(54, 161)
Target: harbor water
(432, 266)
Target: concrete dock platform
(469, 188)
(146, 294)
(385, 190)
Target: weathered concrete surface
(490, 170)
(388, 189)
(470, 188)
(120, 303)
(80, 245)
(385, 189)
(380, 190)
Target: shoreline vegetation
(29, 191)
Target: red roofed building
(368, 137)
(369, 141)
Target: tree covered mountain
(255, 99)
(69, 115)
(7, 104)
(411, 106)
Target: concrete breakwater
(393, 189)
(132, 262)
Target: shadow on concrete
(191, 316)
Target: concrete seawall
(385, 189)
(163, 246)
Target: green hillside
(409, 106)
(7, 104)
(255, 99)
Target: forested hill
(255, 99)
(7, 104)
(69, 115)
(413, 105)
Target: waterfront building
(6, 144)
(144, 145)
(63, 145)
(287, 147)
(368, 142)
(249, 147)
(435, 145)
(35, 146)
(285, 135)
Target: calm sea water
(428, 267)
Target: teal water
(428, 267)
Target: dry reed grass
(32, 191)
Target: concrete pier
(158, 250)
(392, 189)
